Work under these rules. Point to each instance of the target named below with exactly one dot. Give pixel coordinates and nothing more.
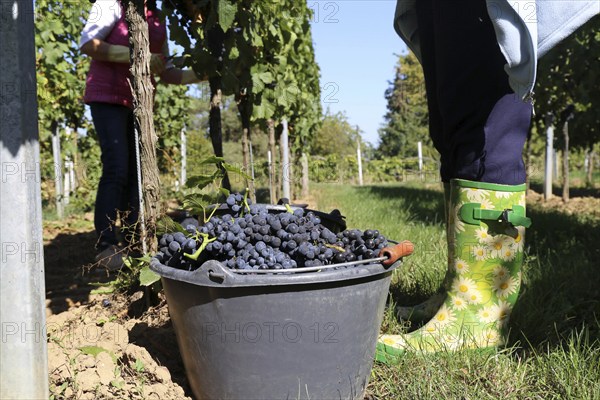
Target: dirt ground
(103, 346)
(120, 346)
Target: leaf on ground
(148, 277)
(92, 350)
(103, 290)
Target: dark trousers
(117, 191)
(476, 122)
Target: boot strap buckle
(473, 214)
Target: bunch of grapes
(247, 236)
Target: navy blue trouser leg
(476, 122)
(117, 190)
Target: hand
(157, 63)
(188, 76)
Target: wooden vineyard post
(549, 157)
(143, 97)
(272, 152)
(214, 124)
(285, 162)
(305, 180)
(359, 160)
(183, 172)
(58, 171)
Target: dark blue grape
(179, 237)
(275, 241)
(174, 246)
(190, 244)
(230, 200)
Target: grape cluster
(247, 236)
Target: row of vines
(259, 53)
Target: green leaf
(118, 384)
(201, 181)
(148, 277)
(92, 350)
(107, 290)
(236, 170)
(227, 11)
(212, 160)
(257, 41)
(234, 53)
(166, 225)
(138, 365)
(266, 77)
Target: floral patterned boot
(486, 237)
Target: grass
(554, 346)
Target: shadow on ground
(426, 205)
(561, 288)
(161, 343)
(573, 192)
(67, 258)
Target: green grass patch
(554, 345)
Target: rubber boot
(486, 238)
(424, 311)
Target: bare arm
(100, 50)
(174, 75)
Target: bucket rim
(212, 273)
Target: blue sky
(355, 45)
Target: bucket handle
(394, 253)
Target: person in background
(105, 39)
(479, 59)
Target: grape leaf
(236, 170)
(148, 277)
(227, 11)
(212, 160)
(201, 181)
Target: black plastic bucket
(295, 336)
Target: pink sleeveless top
(107, 81)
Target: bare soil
(122, 345)
(103, 346)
